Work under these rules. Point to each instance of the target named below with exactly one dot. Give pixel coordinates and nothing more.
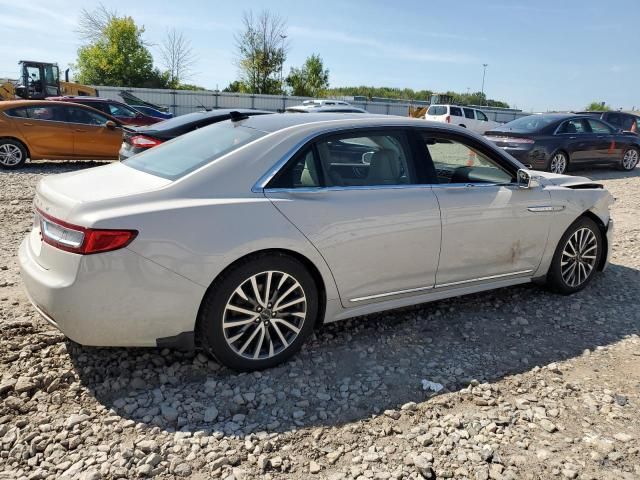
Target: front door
(356, 198)
(607, 147)
(578, 140)
(491, 228)
(91, 137)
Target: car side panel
(46, 139)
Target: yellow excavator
(39, 80)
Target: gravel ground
(536, 385)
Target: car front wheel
(559, 163)
(576, 258)
(630, 159)
(12, 153)
(259, 313)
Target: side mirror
(524, 179)
(111, 124)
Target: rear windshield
(531, 123)
(189, 152)
(186, 119)
(437, 110)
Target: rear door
(457, 117)
(45, 130)
(470, 119)
(491, 228)
(356, 197)
(581, 144)
(91, 137)
(607, 148)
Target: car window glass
(577, 125)
(17, 112)
(630, 123)
(80, 115)
(370, 160)
(120, 111)
(437, 110)
(301, 173)
(481, 116)
(598, 127)
(615, 119)
(47, 112)
(455, 111)
(468, 113)
(456, 162)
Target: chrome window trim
(26, 119)
(350, 187)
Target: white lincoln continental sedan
(243, 236)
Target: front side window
(176, 158)
(120, 111)
(598, 127)
(456, 162)
(577, 125)
(365, 160)
(455, 111)
(85, 117)
(481, 116)
(468, 113)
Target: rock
(569, 473)
(623, 437)
(148, 446)
(409, 406)
(169, 413)
(548, 425)
(182, 470)
(24, 384)
(75, 420)
(423, 466)
(314, 467)
(210, 414)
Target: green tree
(262, 50)
(311, 80)
(597, 107)
(118, 56)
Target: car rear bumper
(111, 299)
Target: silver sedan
(243, 236)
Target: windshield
(530, 124)
(186, 153)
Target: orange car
(39, 129)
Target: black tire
(628, 166)
(555, 280)
(213, 313)
(554, 158)
(462, 125)
(13, 153)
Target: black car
(557, 141)
(143, 138)
(622, 120)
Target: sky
(541, 55)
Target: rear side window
(17, 112)
(303, 172)
(615, 119)
(598, 127)
(577, 125)
(178, 157)
(437, 110)
(455, 111)
(53, 113)
(468, 113)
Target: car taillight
(512, 140)
(448, 119)
(143, 141)
(81, 240)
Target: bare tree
(177, 57)
(262, 48)
(92, 24)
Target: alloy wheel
(558, 163)
(10, 155)
(630, 159)
(264, 315)
(579, 257)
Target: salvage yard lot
(555, 385)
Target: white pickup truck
(467, 117)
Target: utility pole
(484, 72)
(283, 37)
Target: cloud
(387, 49)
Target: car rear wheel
(12, 153)
(259, 313)
(559, 163)
(630, 159)
(576, 258)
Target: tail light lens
(143, 141)
(81, 240)
(510, 140)
(448, 119)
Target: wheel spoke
(256, 291)
(240, 310)
(287, 324)
(251, 337)
(256, 352)
(238, 323)
(267, 289)
(276, 306)
(291, 303)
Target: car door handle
(80, 130)
(572, 138)
(26, 124)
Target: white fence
(180, 102)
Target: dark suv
(123, 112)
(624, 121)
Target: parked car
(144, 138)
(622, 120)
(123, 112)
(558, 141)
(466, 117)
(40, 129)
(324, 106)
(245, 235)
(152, 112)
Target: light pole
(484, 72)
(283, 37)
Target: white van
(466, 117)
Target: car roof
(273, 123)
(28, 103)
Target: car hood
(568, 181)
(58, 195)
